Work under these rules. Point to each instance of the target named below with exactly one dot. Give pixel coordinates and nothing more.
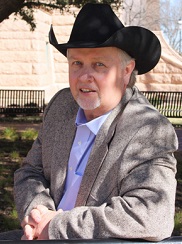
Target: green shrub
(29, 134)
(10, 134)
(178, 223)
(15, 155)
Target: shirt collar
(93, 125)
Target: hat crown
(95, 23)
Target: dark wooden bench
(169, 103)
(24, 102)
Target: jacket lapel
(100, 150)
(63, 143)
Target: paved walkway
(19, 126)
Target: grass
(14, 146)
(10, 134)
(29, 134)
(178, 223)
(178, 212)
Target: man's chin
(88, 105)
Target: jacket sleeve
(32, 180)
(30, 186)
(145, 205)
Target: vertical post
(180, 35)
(152, 15)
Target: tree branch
(11, 7)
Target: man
(102, 165)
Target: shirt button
(70, 168)
(79, 143)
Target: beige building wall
(167, 75)
(28, 61)
(25, 55)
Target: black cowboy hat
(96, 25)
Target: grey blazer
(128, 188)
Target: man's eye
(99, 64)
(77, 63)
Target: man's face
(97, 79)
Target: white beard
(88, 105)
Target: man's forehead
(96, 53)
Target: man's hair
(125, 59)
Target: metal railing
(168, 103)
(26, 102)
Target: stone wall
(28, 61)
(24, 54)
(23, 59)
(167, 75)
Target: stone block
(160, 68)
(176, 79)
(39, 68)
(154, 78)
(38, 45)
(17, 81)
(15, 68)
(12, 45)
(13, 24)
(158, 87)
(21, 57)
(61, 78)
(59, 57)
(61, 68)
(171, 69)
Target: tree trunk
(8, 7)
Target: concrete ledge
(15, 236)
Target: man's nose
(86, 74)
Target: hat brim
(140, 43)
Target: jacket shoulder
(62, 103)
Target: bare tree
(141, 12)
(156, 15)
(170, 15)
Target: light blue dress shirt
(81, 148)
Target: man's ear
(128, 70)
(129, 67)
